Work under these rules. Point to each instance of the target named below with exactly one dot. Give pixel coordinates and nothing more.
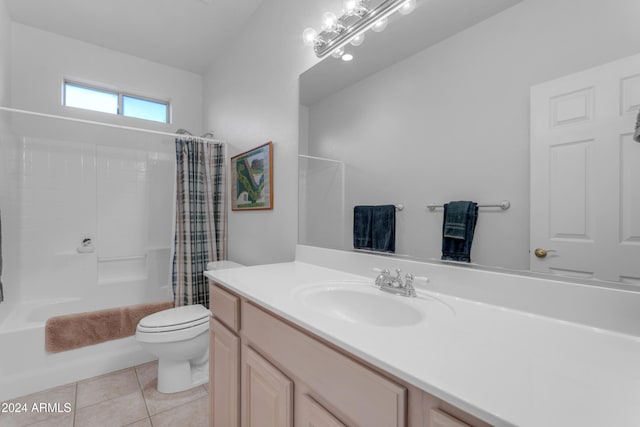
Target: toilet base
(176, 376)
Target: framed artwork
(252, 179)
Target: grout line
(75, 405)
(142, 392)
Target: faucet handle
(408, 288)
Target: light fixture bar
(371, 16)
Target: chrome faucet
(396, 285)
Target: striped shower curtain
(200, 228)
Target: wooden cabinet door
(314, 415)
(224, 376)
(267, 393)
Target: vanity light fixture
(358, 16)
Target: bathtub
(25, 366)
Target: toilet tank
(222, 265)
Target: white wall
(468, 96)
(5, 54)
(42, 60)
(251, 97)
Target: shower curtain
(200, 227)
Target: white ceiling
(186, 34)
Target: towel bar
(504, 205)
(121, 258)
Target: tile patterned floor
(123, 398)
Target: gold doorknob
(541, 253)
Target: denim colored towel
(458, 227)
(374, 228)
(362, 222)
(455, 220)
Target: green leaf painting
(247, 181)
(251, 175)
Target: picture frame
(252, 179)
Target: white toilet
(179, 338)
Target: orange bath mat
(82, 329)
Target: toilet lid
(175, 318)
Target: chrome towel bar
(504, 205)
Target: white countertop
(504, 366)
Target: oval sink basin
(360, 304)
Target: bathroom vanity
(314, 342)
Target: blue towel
(458, 226)
(455, 220)
(362, 222)
(374, 228)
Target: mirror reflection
(442, 106)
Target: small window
(106, 101)
(144, 109)
(90, 98)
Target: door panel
(268, 394)
(224, 376)
(585, 173)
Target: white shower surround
(64, 182)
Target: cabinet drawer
(225, 306)
(314, 415)
(354, 393)
(442, 419)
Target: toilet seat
(175, 319)
(173, 336)
(170, 328)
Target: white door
(585, 173)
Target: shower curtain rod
(92, 122)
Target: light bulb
(338, 52)
(347, 57)
(350, 6)
(329, 21)
(407, 7)
(309, 36)
(358, 40)
(380, 25)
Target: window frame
(120, 94)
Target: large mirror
(438, 108)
